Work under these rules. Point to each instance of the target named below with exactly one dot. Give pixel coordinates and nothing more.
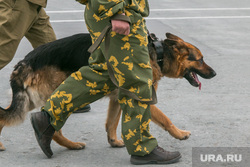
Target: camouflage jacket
(108, 8)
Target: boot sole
(49, 155)
(141, 162)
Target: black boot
(43, 131)
(157, 156)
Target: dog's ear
(171, 36)
(152, 35)
(170, 42)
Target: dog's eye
(191, 57)
(200, 60)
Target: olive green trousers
(129, 58)
(21, 18)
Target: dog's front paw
(2, 148)
(179, 134)
(77, 146)
(116, 143)
(184, 134)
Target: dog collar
(153, 40)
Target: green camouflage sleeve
(84, 2)
(107, 8)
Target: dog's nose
(213, 73)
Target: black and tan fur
(36, 76)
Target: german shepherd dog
(36, 76)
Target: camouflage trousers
(130, 60)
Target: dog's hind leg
(63, 141)
(2, 148)
(163, 121)
(113, 117)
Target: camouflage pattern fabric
(130, 60)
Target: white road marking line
(196, 9)
(159, 10)
(199, 17)
(66, 11)
(167, 18)
(66, 21)
(164, 18)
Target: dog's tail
(16, 112)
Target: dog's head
(182, 59)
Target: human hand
(120, 27)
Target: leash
(154, 41)
(106, 34)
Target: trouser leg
(79, 89)
(133, 72)
(15, 20)
(136, 117)
(41, 32)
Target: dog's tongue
(197, 80)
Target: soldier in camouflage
(129, 58)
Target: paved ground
(218, 115)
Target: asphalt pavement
(218, 115)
